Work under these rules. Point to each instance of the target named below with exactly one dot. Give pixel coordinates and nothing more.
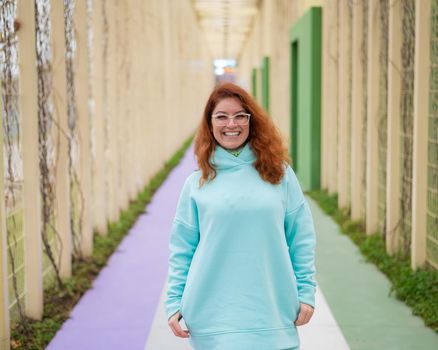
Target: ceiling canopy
(226, 24)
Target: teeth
(232, 133)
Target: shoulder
(294, 193)
(192, 180)
(195, 175)
(289, 176)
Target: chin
(232, 145)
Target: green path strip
(358, 295)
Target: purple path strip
(117, 312)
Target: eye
(240, 117)
(221, 117)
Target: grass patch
(418, 289)
(58, 303)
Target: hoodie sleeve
(300, 237)
(184, 239)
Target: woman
(241, 263)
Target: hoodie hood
(222, 159)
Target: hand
(176, 327)
(304, 315)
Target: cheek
(216, 132)
(246, 131)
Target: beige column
(342, 145)
(99, 199)
(169, 74)
(121, 119)
(325, 98)
(136, 108)
(372, 184)
(62, 216)
(125, 116)
(393, 155)
(138, 112)
(356, 113)
(420, 135)
(4, 297)
(131, 175)
(28, 105)
(116, 150)
(83, 117)
(267, 28)
(332, 111)
(112, 152)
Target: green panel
(254, 82)
(305, 44)
(265, 83)
(259, 85)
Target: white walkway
(322, 333)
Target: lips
(232, 133)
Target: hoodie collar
(222, 159)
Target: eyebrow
(227, 113)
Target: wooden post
(420, 135)
(356, 113)
(62, 223)
(28, 105)
(393, 156)
(83, 118)
(342, 144)
(138, 114)
(325, 98)
(113, 151)
(97, 86)
(169, 74)
(4, 298)
(372, 187)
(332, 111)
(123, 117)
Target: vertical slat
(131, 171)
(4, 299)
(356, 112)
(112, 157)
(393, 160)
(138, 130)
(325, 98)
(97, 86)
(83, 117)
(28, 104)
(421, 111)
(332, 112)
(169, 75)
(372, 185)
(342, 144)
(62, 223)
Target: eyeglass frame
(233, 118)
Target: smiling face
(230, 136)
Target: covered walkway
(96, 95)
(124, 309)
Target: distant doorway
(305, 98)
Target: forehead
(229, 105)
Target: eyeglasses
(223, 119)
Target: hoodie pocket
(297, 309)
(182, 313)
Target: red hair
(264, 137)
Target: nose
(231, 121)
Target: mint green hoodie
(241, 257)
